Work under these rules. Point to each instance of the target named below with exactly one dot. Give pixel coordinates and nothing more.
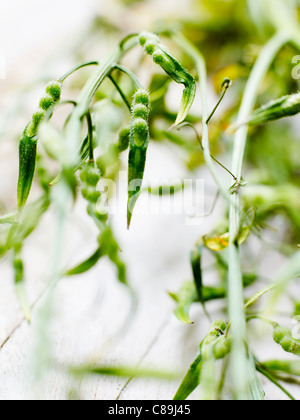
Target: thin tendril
(91, 63)
(200, 142)
(225, 85)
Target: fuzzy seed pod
(141, 97)
(32, 128)
(150, 47)
(140, 132)
(140, 111)
(164, 61)
(28, 143)
(139, 141)
(173, 68)
(54, 90)
(46, 102)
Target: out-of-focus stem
(235, 283)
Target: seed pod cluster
(284, 337)
(28, 143)
(215, 343)
(173, 68)
(139, 141)
(47, 103)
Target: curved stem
(121, 93)
(130, 74)
(65, 76)
(90, 136)
(271, 378)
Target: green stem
(131, 75)
(65, 76)
(90, 136)
(121, 93)
(235, 283)
(271, 378)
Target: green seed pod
(28, 143)
(140, 111)
(90, 176)
(46, 102)
(124, 139)
(139, 141)
(141, 97)
(287, 106)
(280, 333)
(160, 58)
(140, 132)
(32, 128)
(287, 344)
(174, 69)
(283, 336)
(215, 337)
(54, 90)
(90, 194)
(222, 348)
(147, 37)
(150, 47)
(143, 38)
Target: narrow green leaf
(185, 298)
(191, 380)
(87, 264)
(197, 270)
(259, 294)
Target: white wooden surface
(90, 313)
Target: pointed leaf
(86, 265)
